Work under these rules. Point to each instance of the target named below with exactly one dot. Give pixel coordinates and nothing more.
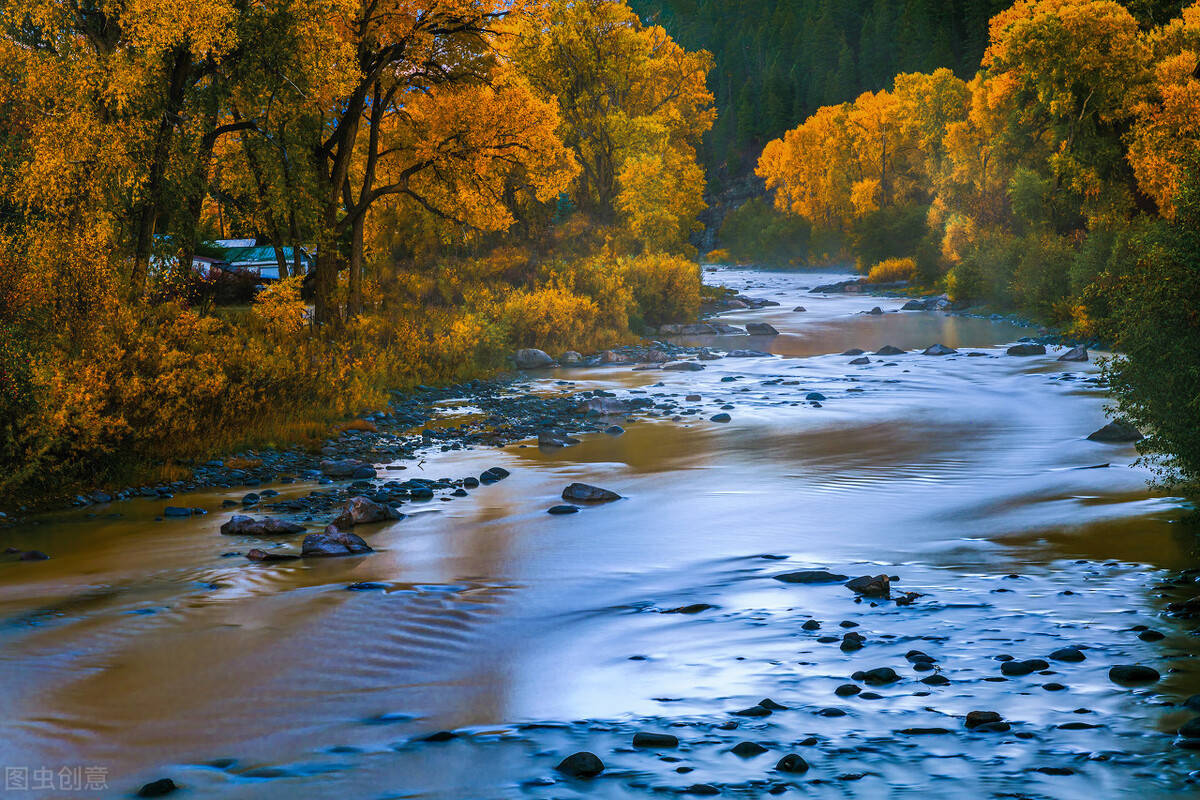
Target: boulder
(875, 311)
(746, 354)
(938, 350)
(665, 740)
(256, 554)
(860, 361)
(747, 749)
(977, 718)
(1027, 349)
(810, 576)
(880, 676)
(915, 305)
(1075, 354)
(492, 475)
(722, 417)
(612, 357)
(362, 511)
(1118, 431)
(333, 542)
(554, 439)
(1133, 674)
(571, 359)
(655, 356)
(347, 468)
(889, 350)
(532, 358)
(683, 366)
(868, 586)
(792, 763)
(853, 351)
(243, 525)
(761, 329)
(581, 765)
(583, 493)
(1016, 669)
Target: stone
(1118, 431)
(810, 576)
(581, 765)
(938, 350)
(243, 525)
(889, 350)
(792, 763)
(493, 475)
(722, 417)
(1133, 674)
(1190, 729)
(583, 493)
(1075, 354)
(1015, 669)
(683, 366)
(532, 358)
(159, 788)
(553, 439)
(753, 711)
(256, 554)
(1027, 349)
(33, 555)
(747, 354)
(363, 511)
(847, 690)
(799, 309)
(747, 749)
(333, 542)
(559, 511)
(854, 351)
(655, 740)
(177, 511)
(1069, 654)
(571, 359)
(868, 586)
(345, 468)
(614, 430)
(977, 718)
(875, 311)
(880, 676)
(702, 789)
(761, 329)
(861, 360)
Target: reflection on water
(143, 647)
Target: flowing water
(143, 649)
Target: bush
(665, 288)
(719, 256)
(550, 319)
(894, 232)
(893, 270)
(757, 232)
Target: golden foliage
(892, 270)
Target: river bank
(484, 631)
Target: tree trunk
(148, 212)
(354, 305)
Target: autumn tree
(634, 106)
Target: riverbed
(492, 639)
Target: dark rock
(362, 511)
(1027, 349)
(683, 366)
(1075, 354)
(938, 350)
(1190, 729)
(817, 396)
(158, 788)
(747, 749)
(1069, 654)
(33, 555)
(562, 510)
(365, 586)
(753, 711)
(532, 358)
(977, 718)
(767, 702)
(852, 642)
(792, 763)
(1018, 668)
(761, 329)
(868, 586)
(811, 625)
(936, 680)
(1133, 674)
(880, 676)
(889, 350)
(860, 360)
(552, 439)
(242, 525)
(1117, 432)
(493, 475)
(694, 608)
(177, 511)
(746, 354)
(333, 542)
(263, 555)
(346, 468)
(810, 576)
(847, 690)
(876, 310)
(702, 789)
(583, 493)
(581, 765)
(614, 430)
(923, 731)
(722, 417)
(799, 309)
(655, 740)
(854, 351)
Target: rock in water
(159, 788)
(853, 351)
(861, 360)
(262, 555)
(938, 350)
(1117, 432)
(560, 511)
(868, 586)
(1027, 349)
(1133, 673)
(581, 765)
(33, 555)
(683, 366)
(242, 525)
(722, 417)
(583, 493)
(655, 740)
(1015, 669)
(760, 329)
(492, 475)
(362, 511)
(553, 439)
(1069, 654)
(532, 358)
(347, 468)
(747, 749)
(978, 718)
(889, 350)
(799, 309)
(810, 576)
(792, 763)
(571, 358)
(1075, 354)
(333, 542)
(880, 676)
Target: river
(141, 650)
